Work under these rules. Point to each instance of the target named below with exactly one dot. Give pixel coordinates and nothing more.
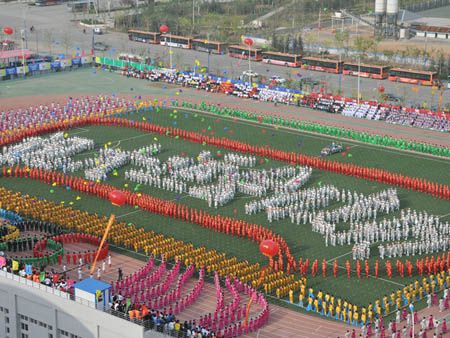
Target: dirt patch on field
(21, 102)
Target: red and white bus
(176, 41)
(423, 78)
(323, 65)
(283, 59)
(243, 52)
(203, 45)
(370, 71)
(142, 36)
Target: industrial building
(386, 18)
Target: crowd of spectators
(162, 321)
(49, 278)
(332, 104)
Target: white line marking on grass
(387, 281)
(83, 130)
(135, 137)
(321, 136)
(332, 259)
(129, 213)
(442, 216)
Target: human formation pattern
(341, 216)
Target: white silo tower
(380, 13)
(391, 17)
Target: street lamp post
(37, 41)
(359, 77)
(249, 43)
(23, 51)
(249, 60)
(340, 76)
(170, 51)
(25, 26)
(93, 41)
(164, 29)
(209, 56)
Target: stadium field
(302, 241)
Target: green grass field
(302, 241)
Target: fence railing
(45, 288)
(43, 72)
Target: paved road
(67, 35)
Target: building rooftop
(91, 285)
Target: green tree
(341, 38)
(363, 44)
(300, 44)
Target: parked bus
(323, 65)
(413, 76)
(145, 37)
(176, 41)
(370, 71)
(46, 2)
(243, 52)
(283, 59)
(75, 6)
(208, 46)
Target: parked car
(98, 31)
(100, 46)
(391, 98)
(331, 149)
(277, 80)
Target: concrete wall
(28, 310)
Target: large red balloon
(8, 30)
(117, 197)
(269, 248)
(164, 29)
(248, 41)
